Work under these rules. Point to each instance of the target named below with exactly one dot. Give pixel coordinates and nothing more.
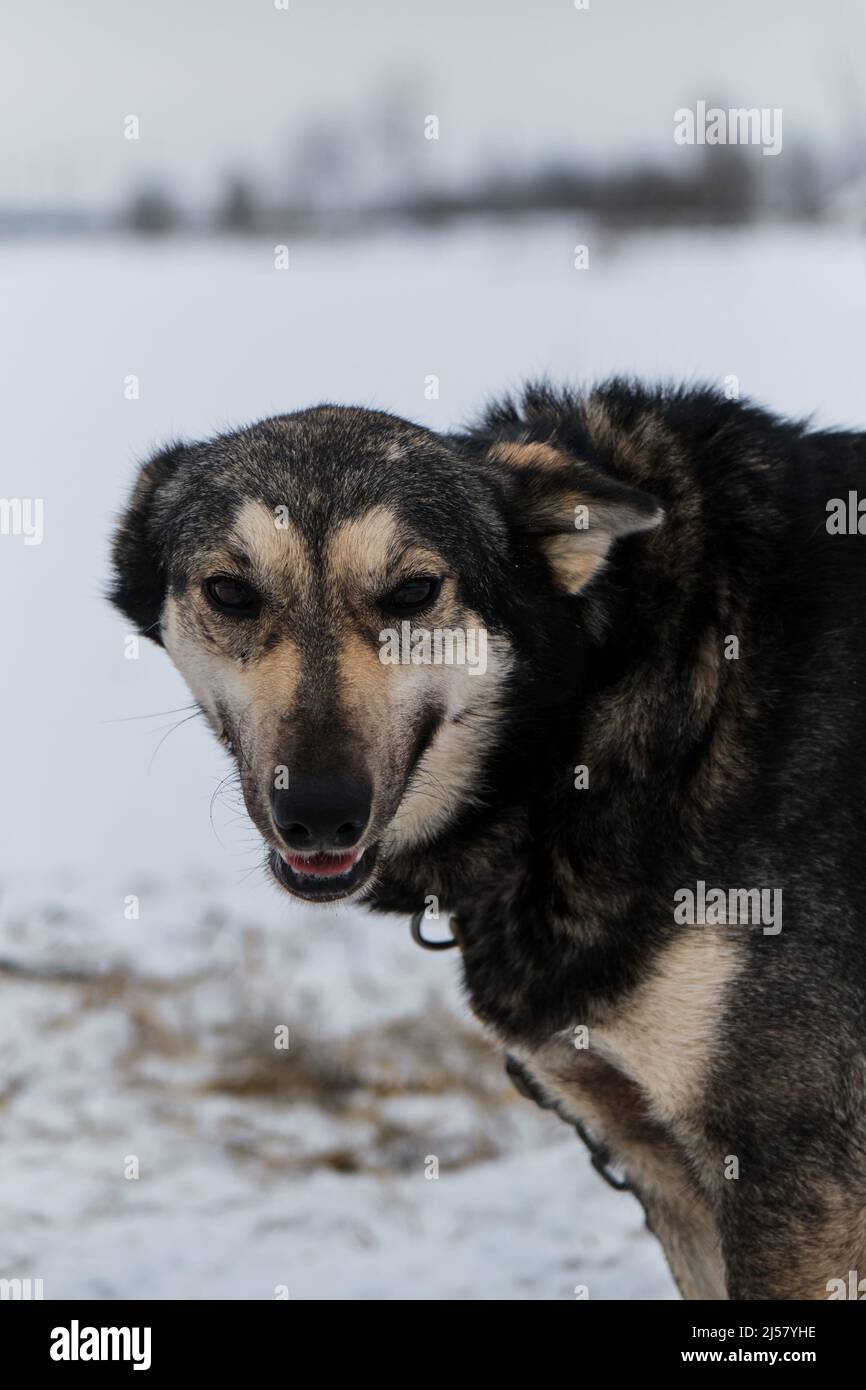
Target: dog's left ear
(138, 552)
(575, 511)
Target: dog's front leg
(677, 1214)
(798, 1235)
(588, 1092)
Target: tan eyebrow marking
(364, 546)
(272, 546)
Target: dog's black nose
(324, 812)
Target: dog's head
(344, 593)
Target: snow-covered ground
(148, 1040)
(258, 1167)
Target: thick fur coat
(673, 697)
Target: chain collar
(421, 940)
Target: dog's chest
(661, 1038)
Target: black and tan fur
(608, 649)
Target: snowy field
(148, 1042)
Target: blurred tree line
(336, 182)
(345, 175)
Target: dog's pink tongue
(322, 865)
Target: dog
(645, 808)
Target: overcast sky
(228, 84)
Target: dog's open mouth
(323, 877)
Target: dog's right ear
(573, 511)
(138, 552)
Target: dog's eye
(413, 595)
(233, 596)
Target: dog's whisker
(256, 868)
(217, 792)
(171, 731)
(158, 714)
